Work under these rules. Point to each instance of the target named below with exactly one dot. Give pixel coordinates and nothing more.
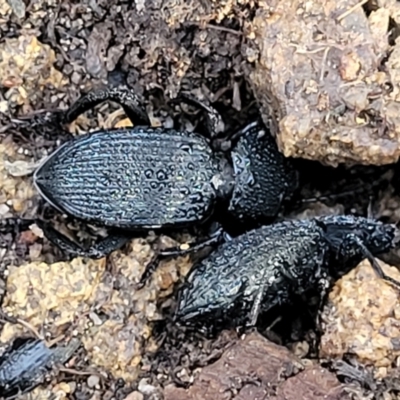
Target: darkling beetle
(140, 178)
(277, 264)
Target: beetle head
(376, 236)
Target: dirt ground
(50, 53)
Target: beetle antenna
(370, 213)
(375, 265)
(332, 196)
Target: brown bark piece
(313, 383)
(255, 368)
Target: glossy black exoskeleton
(276, 264)
(27, 361)
(140, 178)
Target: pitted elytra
(140, 178)
(276, 264)
(26, 363)
(134, 178)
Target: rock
(362, 317)
(93, 381)
(147, 389)
(134, 396)
(97, 50)
(18, 7)
(20, 167)
(52, 296)
(26, 68)
(14, 191)
(318, 72)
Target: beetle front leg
(123, 96)
(98, 250)
(179, 251)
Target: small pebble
(301, 349)
(95, 319)
(75, 78)
(93, 381)
(146, 388)
(134, 396)
(4, 209)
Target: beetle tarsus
(215, 124)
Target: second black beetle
(26, 363)
(143, 178)
(278, 264)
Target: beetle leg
(98, 250)
(123, 96)
(256, 307)
(374, 263)
(217, 237)
(179, 251)
(214, 122)
(323, 295)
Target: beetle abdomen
(131, 178)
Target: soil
(50, 53)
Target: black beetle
(275, 264)
(25, 364)
(140, 178)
